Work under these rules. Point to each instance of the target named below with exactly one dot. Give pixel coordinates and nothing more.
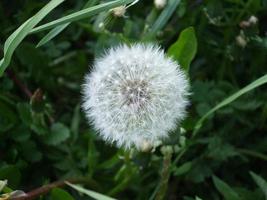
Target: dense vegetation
(44, 136)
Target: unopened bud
(119, 11)
(166, 150)
(145, 146)
(241, 41)
(159, 4)
(253, 20)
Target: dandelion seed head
(137, 98)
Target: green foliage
(90, 193)
(185, 48)
(59, 194)
(227, 192)
(44, 136)
(15, 38)
(53, 33)
(260, 182)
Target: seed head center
(135, 92)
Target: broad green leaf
(260, 182)
(60, 194)
(84, 13)
(260, 81)
(53, 33)
(225, 190)
(12, 174)
(164, 17)
(185, 48)
(15, 38)
(59, 133)
(90, 193)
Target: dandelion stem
(165, 175)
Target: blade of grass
(260, 182)
(84, 13)
(89, 193)
(164, 17)
(260, 81)
(16, 37)
(53, 33)
(58, 29)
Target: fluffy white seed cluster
(135, 95)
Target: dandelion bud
(241, 41)
(166, 150)
(160, 4)
(135, 96)
(145, 146)
(119, 11)
(253, 20)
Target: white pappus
(135, 95)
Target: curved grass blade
(90, 193)
(225, 190)
(15, 38)
(57, 30)
(164, 17)
(260, 81)
(53, 33)
(260, 182)
(84, 13)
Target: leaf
(90, 193)
(59, 133)
(185, 48)
(260, 81)
(25, 113)
(225, 190)
(260, 182)
(164, 17)
(12, 174)
(84, 13)
(8, 117)
(60, 194)
(2, 184)
(16, 37)
(30, 151)
(182, 169)
(53, 33)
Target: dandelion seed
(144, 105)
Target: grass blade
(53, 33)
(164, 16)
(90, 193)
(58, 29)
(260, 81)
(16, 38)
(260, 182)
(225, 190)
(84, 13)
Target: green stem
(165, 175)
(253, 154)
